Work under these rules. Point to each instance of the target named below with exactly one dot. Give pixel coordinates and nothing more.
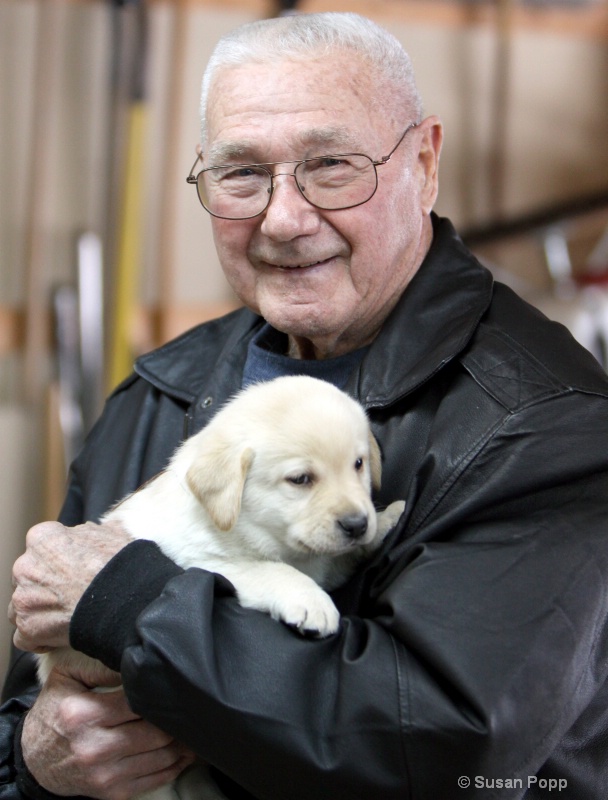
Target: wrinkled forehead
(317, 139)
(324, 102)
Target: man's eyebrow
(330, 139)
(314, 141)
(224, 152)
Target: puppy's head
(290, 465)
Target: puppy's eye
(359, 464)
(300, 480)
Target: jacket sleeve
(11, 714)
(481, 639)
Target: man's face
(328, 279)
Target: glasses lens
(235, 192)
(334, 182)
(329, 182)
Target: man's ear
(431, 140)
(217, 477)
(375, 462)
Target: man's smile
(299, 265)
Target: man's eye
(327, 163)
(330, 161)
(240, 173)
(301, 480)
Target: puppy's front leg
(285, 593)
(388, 518)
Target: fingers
(79, 742)
(39, 627)
(135, 757)
(43, 599)
(153, 780)
(51, 576)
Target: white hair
(301, 35)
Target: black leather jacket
(474, 647)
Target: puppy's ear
(375, 461)
(217, 479)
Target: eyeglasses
(331, 183)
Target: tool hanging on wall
(76, 392)
(171, 166)
(50, 16)
(500, 109)
(90, 326)
(129, 66)
(69, 373)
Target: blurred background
(105, 251)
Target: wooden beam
(152, 326)
(589, 21)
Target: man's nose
(289, 215)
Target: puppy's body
(274, 494)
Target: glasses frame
(193, 179)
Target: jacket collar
(182, 367)
(433, 322)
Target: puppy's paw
(388, 518)
(286, 594)
(311, 613)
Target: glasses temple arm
(191, 176)
(384, 159)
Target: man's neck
(298, 347)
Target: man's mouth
(303, 265)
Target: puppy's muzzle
(353, 526)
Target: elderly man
(472, 659)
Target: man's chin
(300, 321)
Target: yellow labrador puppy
(275, 495)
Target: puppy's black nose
(354, 525)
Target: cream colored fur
(274, 494)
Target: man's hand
(79, 742)
(52, 575)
